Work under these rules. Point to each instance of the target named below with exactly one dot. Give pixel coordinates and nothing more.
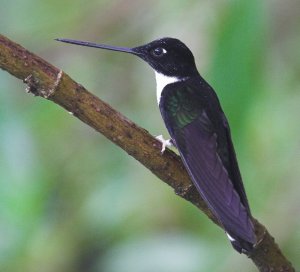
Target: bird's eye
(158, 52)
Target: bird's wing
(207, 163)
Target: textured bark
(44, 80)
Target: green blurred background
(70, 200)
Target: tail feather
(241, 245)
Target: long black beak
(102, 46)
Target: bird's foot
(164, 143)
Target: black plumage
(199, 129)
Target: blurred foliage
(72, 201)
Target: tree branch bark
(49, 82)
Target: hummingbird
(200, 131)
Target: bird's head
(167, 56)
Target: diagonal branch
(49, 82)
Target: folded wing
(198, 144)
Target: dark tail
(240, 245)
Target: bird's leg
(164, 143)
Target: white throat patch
(161, 82)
